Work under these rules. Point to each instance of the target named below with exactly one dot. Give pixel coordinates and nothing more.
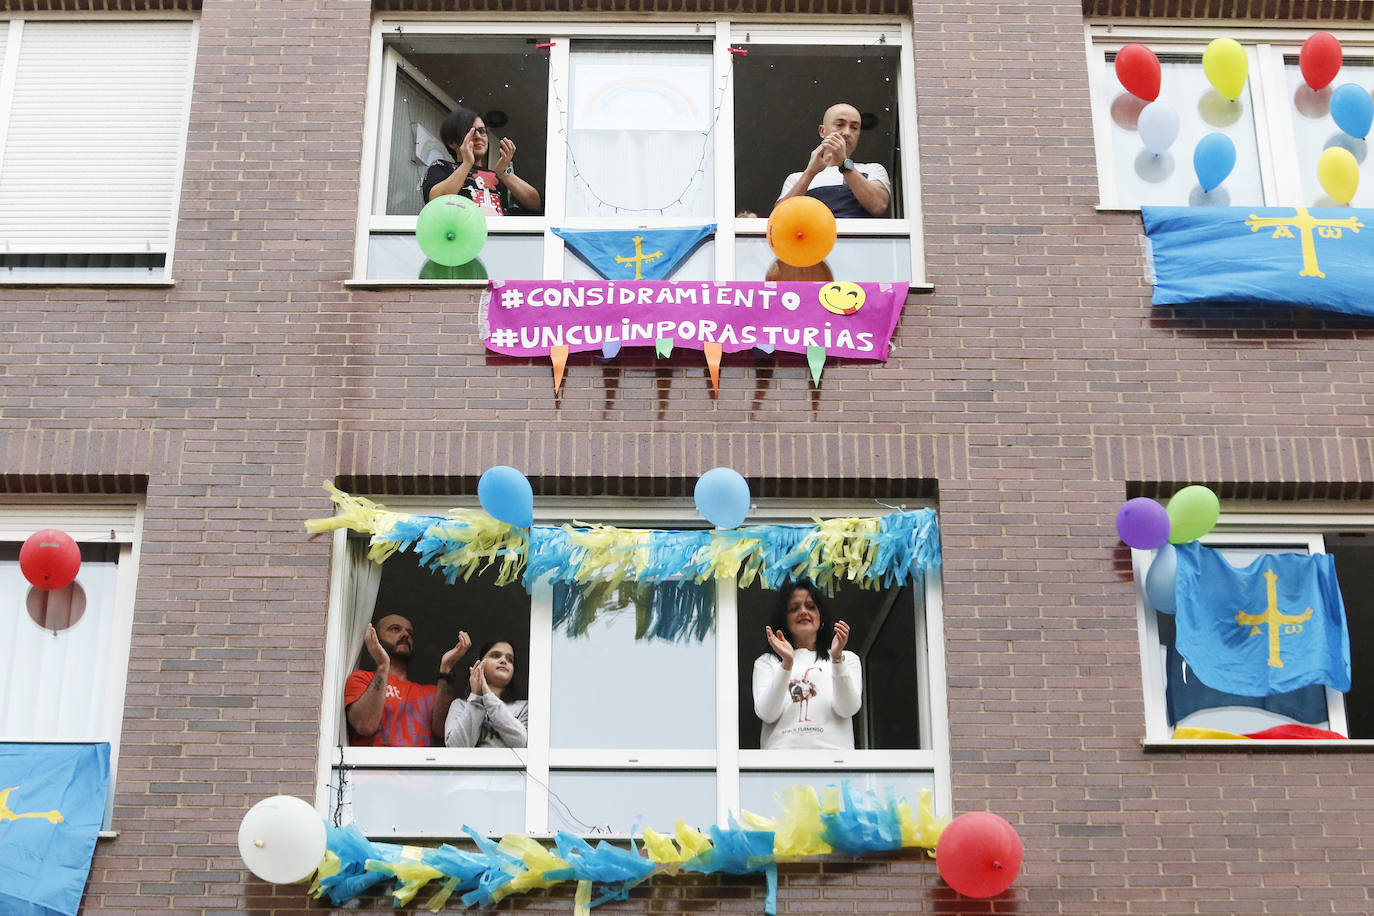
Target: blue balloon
(1213, 159)
(506, 495)
(1353, 110)
(722, 497)
(1160, 580)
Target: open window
(1175, 697)
(67, 651)
(625, 126)
(1279, 125)
(93, 119)
(623, 728)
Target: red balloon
(1320, 59)
(979, 854)
(50, 559)
(1138, 69)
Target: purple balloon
(1143, 523)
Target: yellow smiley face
(842, 298)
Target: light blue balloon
(1353, 110)
(1160, 580)
(506, 495)
(722, 497)
(1213, 159)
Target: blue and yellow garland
(838, 819)
(665, 572)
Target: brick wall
(1034, 387)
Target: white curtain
(639, 132)
(361, 579)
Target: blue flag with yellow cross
(1269, 627)
(52, 805)
(1296, 256)
(635, 254)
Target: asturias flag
(52, 803)
(635, 254)
(1296, 256)
(1275, 625)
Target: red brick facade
(1034, 389)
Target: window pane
(415, 118)
(757, 790)
(612, 801)
(611, 690)
(1168, 179)
(781, 95)
(1314, 131)
(640, 129)
(397, 256)
(432, 802)
(875, 259)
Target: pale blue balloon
(722, 497)
(1160, 580)
(506, 495)
(1213, 159)
(1353, 110)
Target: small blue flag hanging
(52, 805)
(635, 254)
(1273, 626)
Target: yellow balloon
(1339, 174)
(1226, 65)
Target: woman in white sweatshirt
(489, 717)
(806, 688)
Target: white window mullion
(1265, 102)
(540, 698)
(1278, 147)
(9, 70)
(386, 117)
(556, 170)
(727, 704)
(372, 128)
(724, 133)
(911, 163)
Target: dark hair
(509, 694)
(455, 129)
(824, 636)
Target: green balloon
(451, 230)
(1193, 512)
(472, 270)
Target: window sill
(68, 281)
(1356, 745)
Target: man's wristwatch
(444, 676)
(847, 166)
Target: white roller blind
(97, 126)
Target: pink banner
(850, 320)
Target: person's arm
(770, 688)
(829, 152)
(510, 728)
(870, 193)
(524, 192)
(464, 725)
(846, 675)
(443, 697)
(365, 713)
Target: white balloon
(282, 839)
(1158, 126)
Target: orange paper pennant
(712, 351)
(558, 354)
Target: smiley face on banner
(842, 298)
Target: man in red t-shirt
(386, 710)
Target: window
(93, 120)
(67, 651)
(623, 728)
(1171, 702)
(1279, 125)
(623, 126)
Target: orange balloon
(801, 231)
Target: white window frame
(11, 34)
(1266, 49)
(92, 520)
(727, 761)
(723, 33)
(1251, 528)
